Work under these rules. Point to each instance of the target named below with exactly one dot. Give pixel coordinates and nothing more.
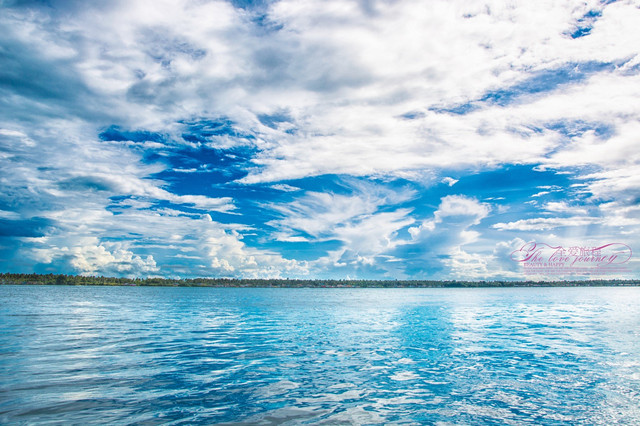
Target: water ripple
(128, 355)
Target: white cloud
(449, 181)
(4, 214)
(374, 234)
(326, 216)
(620, 183)
(540, 194)
(318, 214)
(435, 247)
(541, 224)
(76, 185)
(618, 214)
(459, 205)
(563, 207)
(366, 222)
(348, 73)
(88, 256)
(450, 225)
(213, 249)
(470, 266)
(454, 210)
(285, 187)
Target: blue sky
(316, 139)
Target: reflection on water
(296, 356)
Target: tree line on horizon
(61, 279)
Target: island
(60, 279)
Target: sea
(336, 356)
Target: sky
(317, 139)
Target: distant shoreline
(51, 279)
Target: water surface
(159, 355)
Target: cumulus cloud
(436, 244)
(456, 210)
(181, 246)
(473, 266)
(79, 205)
(459, 206)
(89, 257)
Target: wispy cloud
(541, 224)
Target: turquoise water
(120, 355)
